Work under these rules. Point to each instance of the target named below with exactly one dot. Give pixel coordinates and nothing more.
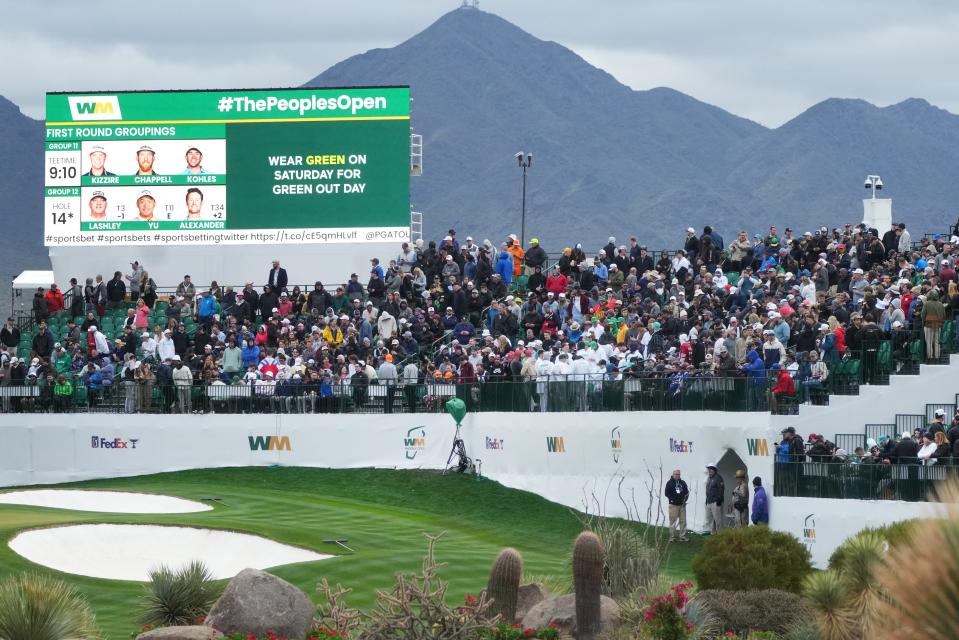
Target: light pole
(874, 183)
(524, 160)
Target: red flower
(147, 627)
(528, 632)
(201, 619)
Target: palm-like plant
(178, 597)
(858, 570)
(848, 599)
(827, 594)
(39, 607)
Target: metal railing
(870, 481)
(572, 393)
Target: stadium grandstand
(764, 322)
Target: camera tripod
(464, 464)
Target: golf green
(383, 514)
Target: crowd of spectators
(937, 443)
(778, 308)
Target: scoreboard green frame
(230, 166)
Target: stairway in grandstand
(900, 423)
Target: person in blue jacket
(782, 451)
(206, 308)
(760, 513)
(755, 370)
(250, 354)
(504, 267)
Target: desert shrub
(633, 556)
(333, 616)
(893, 534)
(416, 608)
(178, 597)
(919, 578)
(38, 607)
(752, 558)
(769, 609)
(802, 630)
(659, 612)
(555, 585)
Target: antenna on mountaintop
(470, 4)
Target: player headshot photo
(146, 203)
(145, 157)
(194, 202)
(98, 157)
(194, 162)
(98, 206)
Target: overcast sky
(768, 61)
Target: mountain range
(607, 159)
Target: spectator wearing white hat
(148, 346)
(857, 286)
(97, 344)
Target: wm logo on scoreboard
(95, 107)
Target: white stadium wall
(227, 264)
(604, 463)
(822, 525)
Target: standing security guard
(677, 493)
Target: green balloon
(456, 408)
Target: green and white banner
(227, 167)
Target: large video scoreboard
(227, 167)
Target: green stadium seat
(947, 336)
(885, 356)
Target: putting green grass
(383, 514)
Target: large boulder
(257, 602)
(561, 611)
(529, 596)
(199, 632)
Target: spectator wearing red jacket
(54, 299)
(557, 283)
(785, 389)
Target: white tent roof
(33, 279)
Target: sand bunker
(129, 551)
(102, 501)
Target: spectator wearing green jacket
(62, 394)
(62, 361)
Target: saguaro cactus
(504, 583)
(588, 562)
